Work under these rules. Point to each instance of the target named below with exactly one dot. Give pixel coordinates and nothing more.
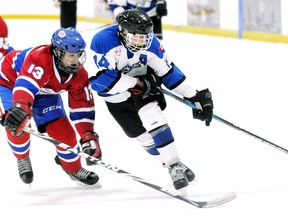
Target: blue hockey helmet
(68, 49)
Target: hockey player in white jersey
(131, 65)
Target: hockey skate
(180, 175)
(188, 172)
(84, 176)
(25, 170)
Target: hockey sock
(62, 130)
(20, 145)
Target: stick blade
(217, 201)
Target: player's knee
(152, 116)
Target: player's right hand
(147, 87)
(17, 118)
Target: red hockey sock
(20, 145)
(62, 130)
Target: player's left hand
(17, 118)
(161, 8)
(203, 101)
(90, 145)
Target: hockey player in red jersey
(30, 85)
(4, 45)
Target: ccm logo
(48, 109)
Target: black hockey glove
(149, 87)
(17, 118)
(2, 116)
(90, 145)
(161, 8)
(203, 101)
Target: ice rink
(249, 87)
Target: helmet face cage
(69, 62)
(68, 49)
(135, 29)
(137, 42)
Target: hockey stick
(188, 103)
(200, 204)
(96, 28)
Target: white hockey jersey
(117, 68)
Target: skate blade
(183, 191)
(94, 186)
